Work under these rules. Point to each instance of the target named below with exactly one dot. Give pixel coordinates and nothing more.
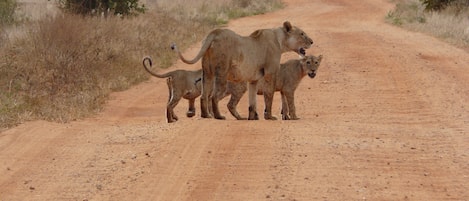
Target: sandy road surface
(385, 119)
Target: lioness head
(310, 65)
(296, 39)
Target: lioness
(288, 79)
(229, 56)
(181, 84)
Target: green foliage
(435, 4)
(7, 11)
(394, 18)
(406, 12)
(116, 7)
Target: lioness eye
(308, 62)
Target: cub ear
(287, 26)
(320, 57)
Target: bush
(7, 11)
(406, 12)
(437, 5)
(117, 7)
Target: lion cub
(288, 79)
(181, 84)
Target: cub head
(296, 39)
(310, 65)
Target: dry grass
(217, 12)
(63, 67)
(61, 71)
(454, 29)
(450, 24)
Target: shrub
(7, 11)
(117, 7)
(405, 12)
(437, 5)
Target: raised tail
(206, 44)
(151, 72)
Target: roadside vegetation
(445, 19)
(7, 12)
(63, 67)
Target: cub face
(310, 65)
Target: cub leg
(252, 101)
(191, 110)
(284, 107)
(173, 101)
(290, 96)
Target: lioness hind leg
(234, 100)
(207, 89)
(220, 88)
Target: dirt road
(386, 118)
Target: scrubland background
(450, 24)
(61, 67)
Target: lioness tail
(206, 44)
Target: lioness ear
(287, 26)
(320, 57)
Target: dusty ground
(385, 119)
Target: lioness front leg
(269, 88)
